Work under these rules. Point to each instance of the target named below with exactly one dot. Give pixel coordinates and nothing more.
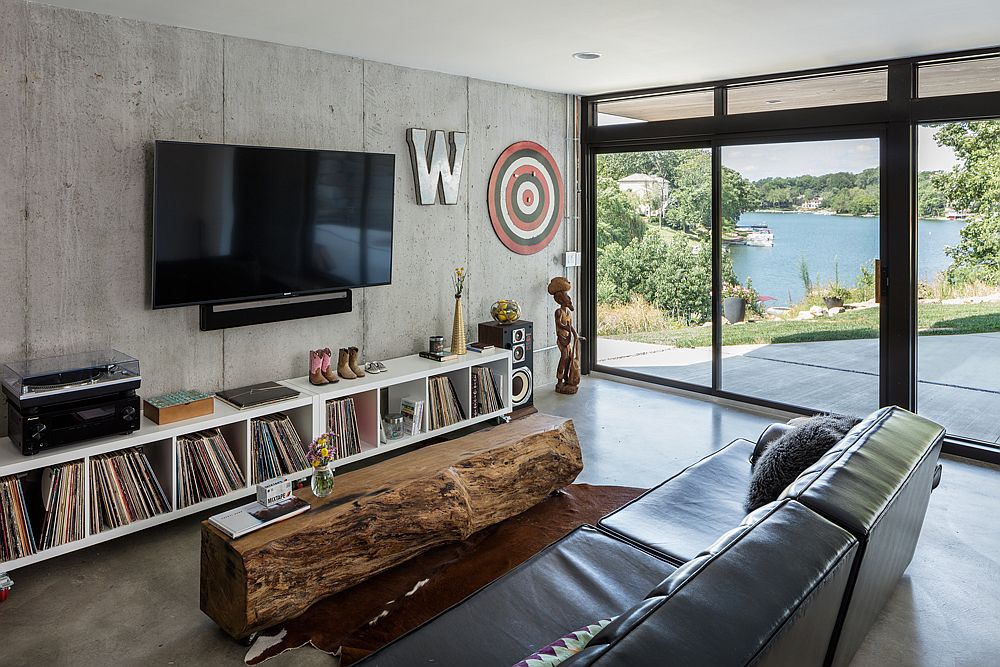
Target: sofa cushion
(768, 592)
(876, 483)
(689, 511)
(784, 458)
(585, 576)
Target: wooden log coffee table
(382, 515)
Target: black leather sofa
(694, 581)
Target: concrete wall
(82, 96)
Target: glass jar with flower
(320, 454)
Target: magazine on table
(254, 516)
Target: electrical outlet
(572, 259)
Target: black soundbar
(229, 315)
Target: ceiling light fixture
(586, 55)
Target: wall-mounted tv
(242, 223)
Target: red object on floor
(3, 594)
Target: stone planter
(734, 308)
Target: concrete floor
(958, 384)
(135, 600)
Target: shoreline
(828, 213)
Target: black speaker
(228, 315)
(517, 337)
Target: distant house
(812, 204)
(645, 186)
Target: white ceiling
(644, 42)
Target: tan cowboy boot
(354, 362)
(343, 370)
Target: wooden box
(175, 413)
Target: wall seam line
(224, 139)
(364, 147)
(24, 176)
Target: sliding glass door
(800, 241)
(654, 263)
(958, 293)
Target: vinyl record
(526, 197)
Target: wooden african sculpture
(568, 340)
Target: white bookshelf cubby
(374, 395)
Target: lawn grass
(932, 320)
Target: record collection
(123, 489)
(276, 448)
(206, 468)
(413, 416)
(342, 419)
(485, 394)
(16, 539)
(62, 489)
(445, 408)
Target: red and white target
(526, 198)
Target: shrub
(637, 316)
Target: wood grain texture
(381, 516)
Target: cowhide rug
(362, 619)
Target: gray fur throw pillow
(789, 456)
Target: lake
(828, 242)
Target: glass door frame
(894, 121)
(716, 146)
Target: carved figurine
(568, 340)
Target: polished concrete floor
(135, 600)
(958, 386)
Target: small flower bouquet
(320, 453)
(322, 450)
(459, 281)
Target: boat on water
(755, 235)
(761, 237)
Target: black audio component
(228, 315)
(518, 337)
(63, 400)
(40, 428)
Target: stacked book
(413, 416)
(445, 408)
(123, 489)
(276, 448)
(206, 468)
(342, 420)
(62, 489)
(16, 539)
(485, 394)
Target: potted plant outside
(835, 296)
(735, 299)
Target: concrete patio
(959, 376)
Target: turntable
(62, 400)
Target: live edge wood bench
(380, 516)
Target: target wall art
(526, 198)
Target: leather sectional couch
(692, 580)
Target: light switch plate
(572, 259)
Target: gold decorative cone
(458, 330)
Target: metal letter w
(437, 168)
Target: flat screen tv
(242, 223)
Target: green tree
(618, 219)
(974, 185)
(690, 204)
(931, 200)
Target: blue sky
(824, 157)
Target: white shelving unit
(375, 395)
